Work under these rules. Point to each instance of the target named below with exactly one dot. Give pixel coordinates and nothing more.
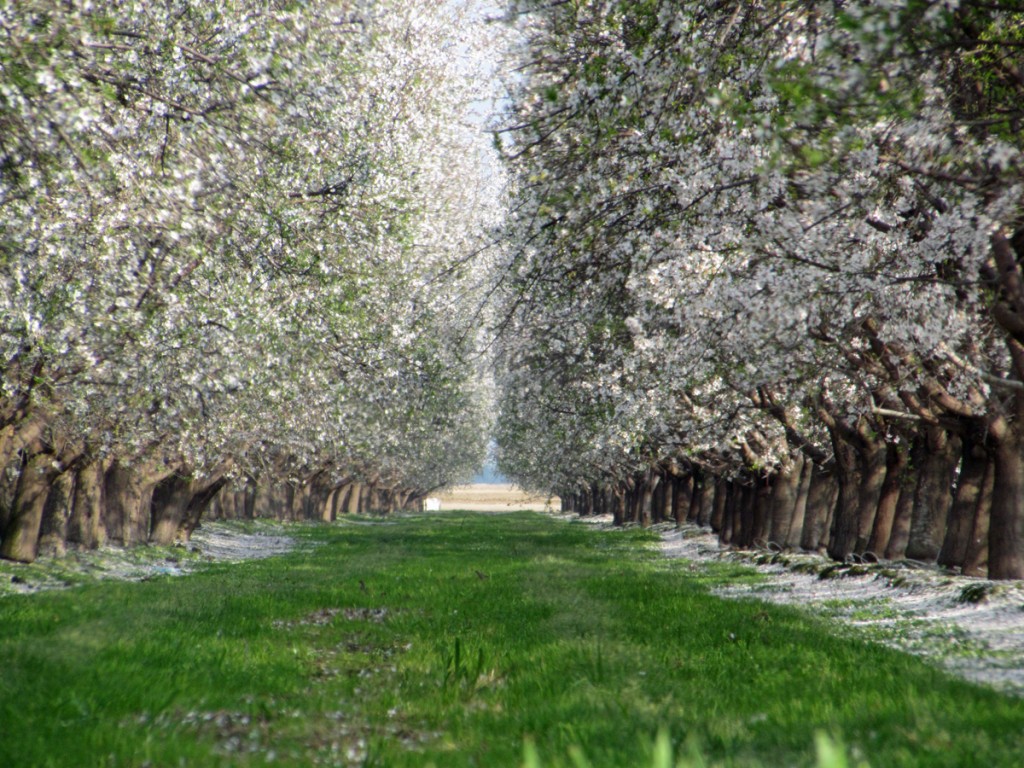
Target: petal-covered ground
(974, 627)
(217, 541)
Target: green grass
(466, 640)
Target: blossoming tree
(774, 246)
(229, 248)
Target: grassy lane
(452, 639)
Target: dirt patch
(495, 497)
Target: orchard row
(233, 244)
(765, 271)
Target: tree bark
(353, 499)
(20, 537)
(721, 499)
(128, 490)
(1006, 522)
(650, 483)
(225, 506)
(976, 559)
(203, 494)
(762, 504)
(873, 459)
(726, 532)
(743, 536)
(896, 549)
(706, 490)
(843, 535)
(960, 526)
(263, 500)
(888, 499)
(53, 529)
(619, 505)
(17, 437)
(796, 526)
(179, 501)
(660, 500)
(249, 498)
(821, 498)
(934, 495)
(328, 509)
(859, 453)
(85, 526)
(682, 492)
(168, 505)
(695, 486)
(785, 488)
(342, 499)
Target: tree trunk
(20, 540)
(660, 500)
(762, 502)
(225, 506)
(53, 529)
(262, 500)
(934, 495)
(873, 457)
(129, 493)
(619, 507)
(976, 559)
(726, 532)
(341, 500)
(888, 499)
(743, 533)
(796, 526)
(900, 534)
(721, 498)
(706, 490)
(169, 504)
(238, 499)
(328, 508)
(178, 503)
(695, 485)
(1006, 521)
(300, 506)
(631, 511)
(960, 527)
(16, 438)
(785, 489)
(682, 490)
(249, 496)
(8, 488)
(860, 468)
(354, 494)
(843, 533)
(284, 509)
(821, 497)
(203, 493)
(85, 526)
(650, 483)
